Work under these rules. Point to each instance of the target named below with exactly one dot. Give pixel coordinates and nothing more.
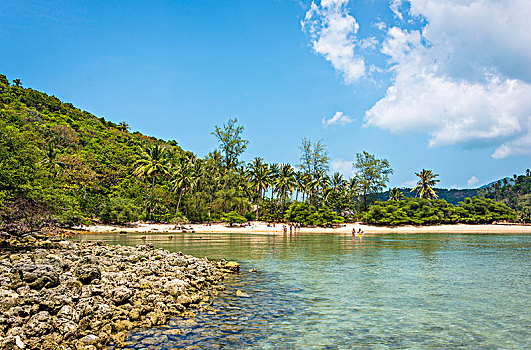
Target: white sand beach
(258, 227)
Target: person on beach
(290, 228)
(284, 228)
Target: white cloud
(394, 5)
(332, 34)
(472, 181)
(338, 118)
(409, 184)
(464, 78)
(345, 167)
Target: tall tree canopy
(372, 174)
(231, 142)
(314, 157)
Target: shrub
(233, 218)
(120, 210)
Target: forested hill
(56, 158)
(452, 196)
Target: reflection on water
(340, 292)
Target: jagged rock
(38, 276)
(88, 273)
(87, 295)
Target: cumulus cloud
(472, 181)
(332, 34)
(409, 183)
(345, 167)
(338, 118)
(460, 75)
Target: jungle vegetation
(63, 166)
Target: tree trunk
(178, 202)
(258, 204)
(151, 201)
(146, 192)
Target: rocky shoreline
(71, 295)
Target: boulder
(88, 273)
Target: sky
(440, 85)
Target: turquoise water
(336, 292)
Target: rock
(88, 273)
(134, 315)
(175, 287)
(121, 295)
(38, 276)
(19, 343)
(90, 339)
(39, 324)
(233, 266)
(87, 295)
(241, 294)
(184, 300)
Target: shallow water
(336, 292)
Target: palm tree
(180, 178)
(425, 184)
(50, 161)
(395, 194)
(337, 181)
(123, 126)
(259, 175)
(152, 162)
(273, 175)
(285, 182)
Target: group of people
(358, 233)
(296, 228)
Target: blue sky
(423, 83)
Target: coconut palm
(285, 182)
(152, 163)
(259, 176)
(274, 170)
(425, 184)
(395, 194)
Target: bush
(308, 215)
(120, 210)
(418, 211)
(233, 218)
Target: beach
(259, 227)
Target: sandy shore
(257, 227)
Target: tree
(259, 174)
(123, 126)
(395, 194)
(314, 158)
(230, 141)
(152, 162)
(425, 184)
(233, 218)
(285, 182)
(372, 174)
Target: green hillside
(65, 165)
(61, 166)
(452, 196)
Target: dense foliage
(308, 215)
(65, 166)
(515, 192)
(420, 211)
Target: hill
(452, 196)
(63, 163)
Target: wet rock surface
(71, 295)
